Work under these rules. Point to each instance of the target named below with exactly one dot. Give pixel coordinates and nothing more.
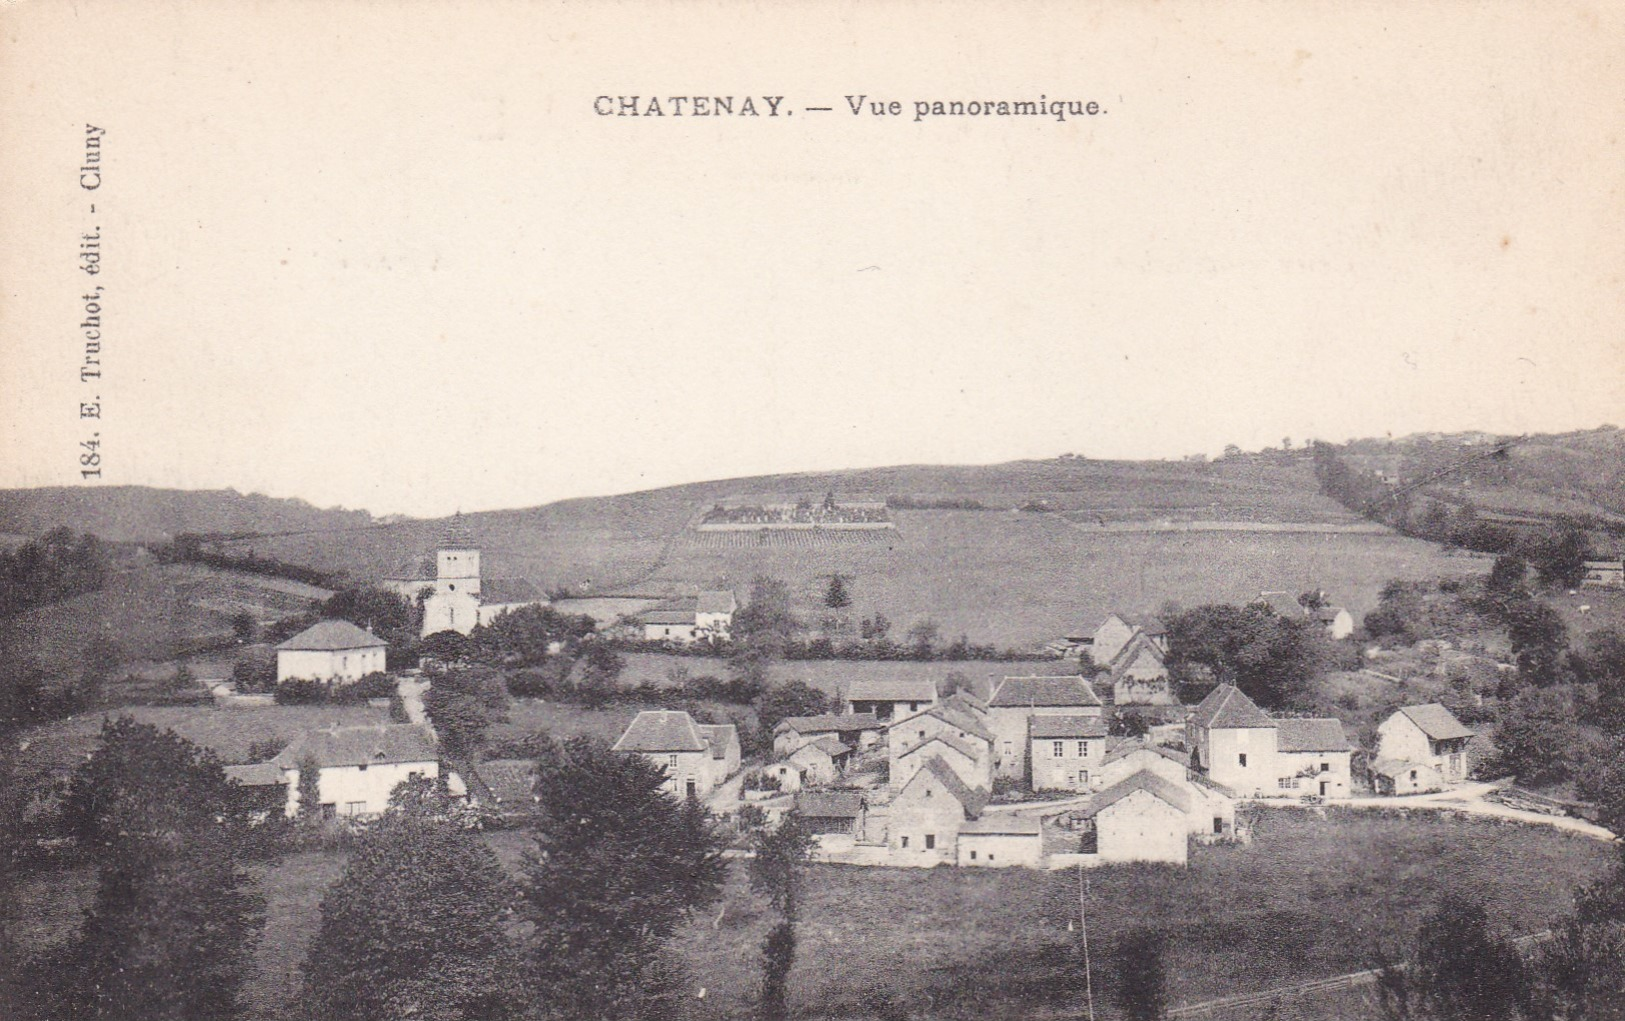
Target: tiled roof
(658, 616)
(256, 774)
(332, 636)
(1133, 745)
(951, 714)
(892, 689)
(1318, 735)
(357, 746)
(661, 730)
(1394, 767)
(966, 700)
(948, 739)
(1282, 604)
(509, 590)
(511, 781)
(1152, 626)
(829, 804)
(1004, 823)
(1226, 708)
(1436, 721)
(1020, 692)
(971, 799)
(718, 736)
(830, 723)
(1144, 780)
(457, 534)
(1132, 650)
(715, 602)
(1044, 727)
(830, 746)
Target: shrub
(301, 691)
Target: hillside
(145, 514)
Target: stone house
(1427, 736)
(891, 697)
(1139, 674)
(968, 759)
(696, 757)
(330, 650)
(1000, 840)
(1114, 633)
(925, 817)
(1017, 700)
(966, 743)
(822, 761)
(1142, 818)
(707, 616)
(1235, 744)
(359, 767)
(1399, 776)
(858, 730)
(1066, 752)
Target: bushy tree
(1535, 734)
(1560, 559)
(601, 669)
(1272, 659)
(171, 931)
(1539, 638)
(1506, 575)
(792, 698)
(776, 871)
(463, 704)
(836, 596)
(619, 864)
(526, 636)
(1461, 969)
(762, 629)
(416, 926)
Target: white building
(891, 697)
(1015, 703)
(707, 616)
(1236, 744)
(1421, 747)
(1142, 818)
(330, 650)
(359, 767)
(456, 597)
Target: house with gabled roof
(1336, 620)
(1139, 674)
(1017, 700)
(707, 616)
(971, 759)
(836, 812)
(860, 730)
(330, 650)
(1428, 736)
(1142, 818)
(997, 840)
(1066, 752)
(696, 757)
(890, 697)
(822, 761)
(1238, 745)
(359, 767)
(1114, 633)
(924, 819)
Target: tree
(244, 627)
(1507, 574)
(446, 646)
(415, 926)
(619, 864)
(1534, 735)
(1538, 637)
(1142, 975)
(1460, 970)
(1272, 659)
(922, 638)
(387, 614)
(310, 790)
(1559, 560)
(776, 872)
(836, 596)
(101, 658)
(762, 629)
(792, 698)
(600, 675)
(171, 930)
(527, 636)
(463, 704)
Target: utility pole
(1083, 921)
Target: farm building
(1017, 700)
(330, 650)
(696, 757)
(1001, 840)
(971, 760)
(1604, 574)
(1114, 633)
(1400, 776)
(1066, 752)
(1430, 738)
(860, 730)
(1337, 621)
(955, 729)
(359, 767)
(707, 616)
(838, 812)
(889, 698)
(1142, 818)
(790, 776)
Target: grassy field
(837, 675)
(1308, 899)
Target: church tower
(457, 562)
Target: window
(330, 809)
(914, 707)
(1242, 759)
(922, 733)
(1285, 783)
(1083, 777)
(928, 792)
(355, 807)
(1083, 749)
(1413, 776)
(1218, 824)
(362, 767)
(904, 844)
(671, 761)
(930, 841)
(1325, 767)
(990, 857)
(973, 856)
(1008, 748)
(1060, 749)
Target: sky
(389, 256)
